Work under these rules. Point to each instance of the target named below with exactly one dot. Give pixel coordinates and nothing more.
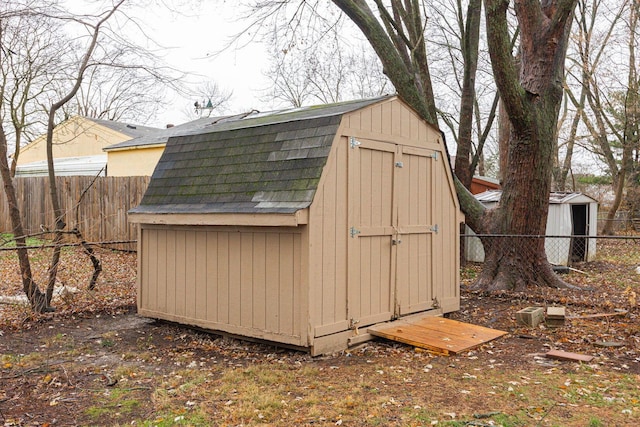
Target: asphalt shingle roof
(133, 131)
(264, 163)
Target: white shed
(574, 215)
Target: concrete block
(530, 316)
(555, 316)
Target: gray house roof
(555, 197)
(161, 136)
(133, 131)
(262, 163)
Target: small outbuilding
(303, 226)
(573, 218)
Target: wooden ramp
(437, 334)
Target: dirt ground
(95, 362)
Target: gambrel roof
(261, 163)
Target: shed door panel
(371, 217)
(414, 280)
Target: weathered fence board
(102, 211)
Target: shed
(302, 226)
(574, 216)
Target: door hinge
(435, 303)
(353, 142)
(434, 228)
(354, 231)
(435, 155)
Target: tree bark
(470, 42)
(531, 100)
(406, 80)
(36, 298)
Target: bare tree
(97, 46)
(324, 69)
(470, 109)
(29, 63)
(210, 99)
(607, 105)
(116, 93)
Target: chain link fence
(623, 223)
(562, 251)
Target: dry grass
(90, 363)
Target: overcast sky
(194, 35)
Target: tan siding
(355, 120)
(244, 277)
(201, 275)
(287, 316)
(300, 317)
(212, 280)
(259, 281)
(161, 272)
(235, 280)
(272, 283)
(328, 231)
(385, 119)
(148, 274)
(370, 284)
(180, 277)
(223, 276)
(328, 256)
(170, 270)
(396, 118)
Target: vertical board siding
(102, 210)
(328, 233)
(416, 274)
(371, 207)
(425, 265)
(246, 278)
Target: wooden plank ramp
(436, 334)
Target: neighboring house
(139, 156)
(480, 184)
(77, 146)
(301, 227)
(574, 215)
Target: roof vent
(131, 126)
(170, 125)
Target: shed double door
(390, 231)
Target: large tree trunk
(532, 100)
(515, 262)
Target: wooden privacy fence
(102, 212)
